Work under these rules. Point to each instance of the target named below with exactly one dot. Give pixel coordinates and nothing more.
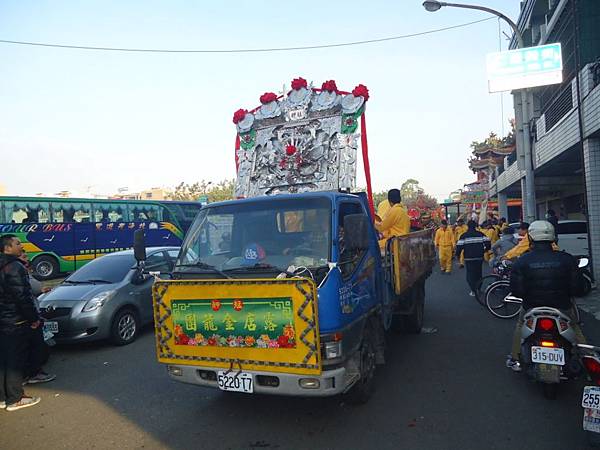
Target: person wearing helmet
(544, 277)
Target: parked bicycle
(500, 302)
(500, 271)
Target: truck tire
(45, 267)
(413, 323)
(362, 391)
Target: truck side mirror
(356, 232)
(139, 246)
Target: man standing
(444, 242)
(522, 246)
(459, 230)
(553, 219)
(474, 243)
(395, 221)
(17, 316)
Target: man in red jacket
(18, 315)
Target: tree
(221, 191)
(410, 190)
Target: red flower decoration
(238, 304)
(299, 83)
(212, 341)
(329, 86)
(268, 97)
(239, 115)
(283, 341)
(361, 91)
(282, 163)
(215, 305)
(290, 150)
(183, 339)
(349, 121)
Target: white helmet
(541, 230)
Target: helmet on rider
(541, 231)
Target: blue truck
(288, 295)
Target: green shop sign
(236, 322)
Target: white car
(573, 237)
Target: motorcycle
(590, 358)
(588, 280)
(547, 344)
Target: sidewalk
(590, 303)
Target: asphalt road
(443, 390)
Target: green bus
(62, 234)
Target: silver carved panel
(299, 151)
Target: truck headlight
(98, 300)
(333, 350)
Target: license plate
(545, 355)
(52, 327)
(235, 381)
(591, 420)
(591, 397)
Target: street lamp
(432, 5)
(529, 197)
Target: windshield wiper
(97, 281)
(76, 282)
(201, 265)
(256, 268)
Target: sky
(96, 121)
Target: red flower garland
(299, 83)
(361, 91)
(268, 97)
(329, 86)
(290, 150)
(239, 115)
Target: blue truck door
(358, 294)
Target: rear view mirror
(139, 246)
(356, 232)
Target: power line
(245, 50)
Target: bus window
(183, 213)
(71, 212)
(29, 211)
(144, 212)
(109, 212)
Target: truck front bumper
(330, 382)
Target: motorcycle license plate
(235, 381)
(591, 397)
(591, 420)
(545, 355)
(52, 327)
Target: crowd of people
(23, 350)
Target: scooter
(590, 358)
(588, 280)
(547, 343)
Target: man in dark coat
(18, 315)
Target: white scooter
(590, 357)
(547, 343)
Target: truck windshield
(269, 234)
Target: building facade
(565, 125)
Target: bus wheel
(45, 267)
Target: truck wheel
(414, 322)
(362, 391)
(125, 327)
(45, 267)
